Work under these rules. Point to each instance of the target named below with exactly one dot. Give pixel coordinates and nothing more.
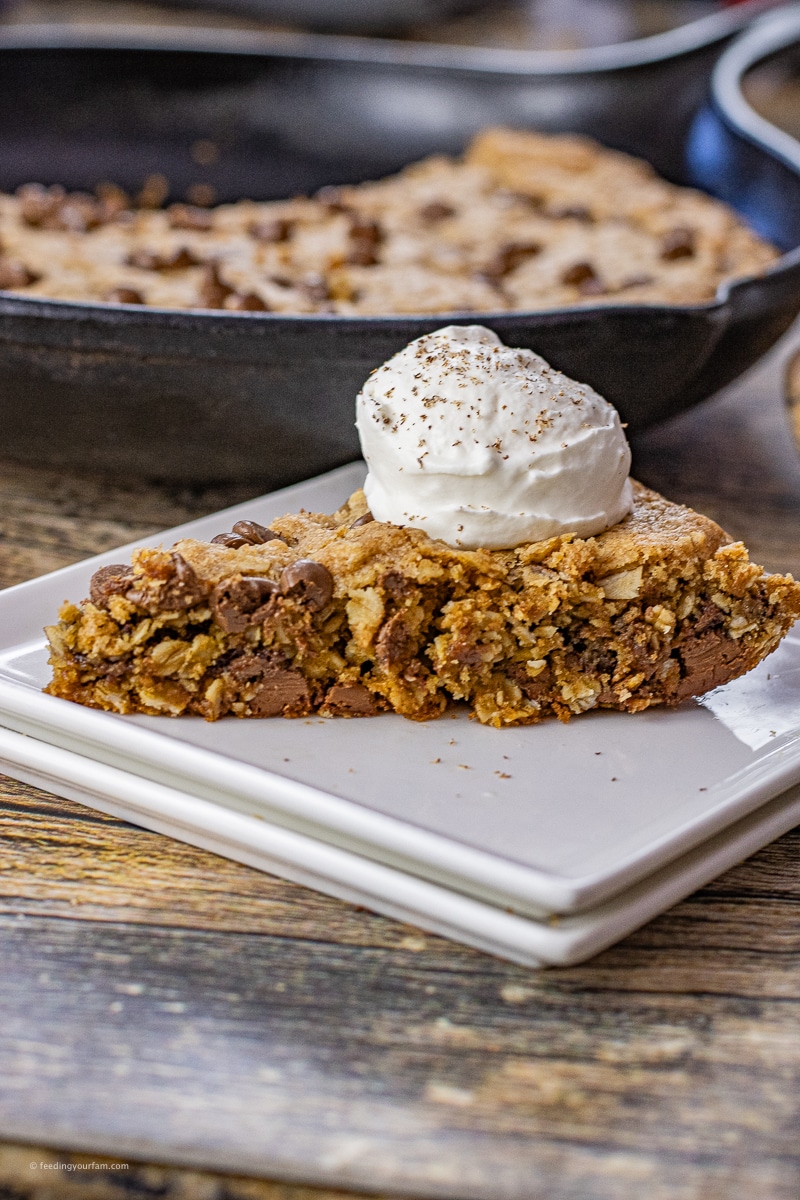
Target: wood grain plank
(34, 1173)
(405, 1047)
(61, 859)
(440, 1072)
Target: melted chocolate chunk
(184, 588)
(309, 582)
(113, 580)
(533, 689)
(365, 519)
(350, 700)
(279, 690)
(708, 661)
(395, 644)
(465, 652)
(241, 601)
(396, 585)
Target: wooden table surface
(166, 1006)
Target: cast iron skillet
(206, 395)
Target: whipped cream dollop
(480, 444)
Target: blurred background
(517, 24)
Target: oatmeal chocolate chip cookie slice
(347, 616)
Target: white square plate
(540, 820)
(213, 826)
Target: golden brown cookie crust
(523, 221)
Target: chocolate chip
(362, 254)
(578, 273)
(509, 257)
(279, 688)
(149, 260)
(54, 208)
(350, 700)
(185, 588)
(172, 584)
(309, 582)
(394, 645)
(396, 585)
(678, 243)
(366, 230)
(465, 652)
(362, 520)
(365, 238)
(124, 295)
(255, 534)
(246, 302)
(109, 581)
(231, 540)
(437, 210)
(180, 259)
(189, 216)
(213, 290)
(239, 602)
(277, 230)
(38, 204)
(14, 275)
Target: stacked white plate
(542, 844)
